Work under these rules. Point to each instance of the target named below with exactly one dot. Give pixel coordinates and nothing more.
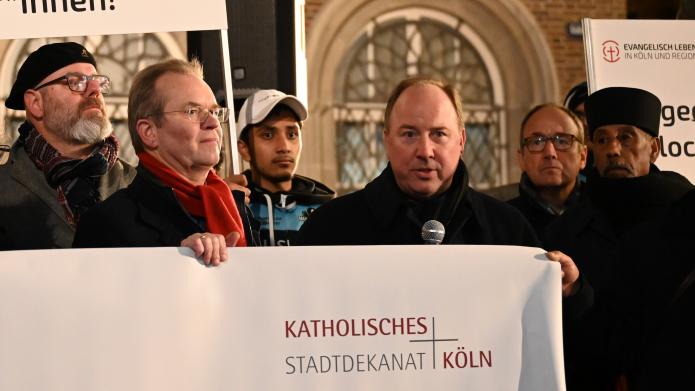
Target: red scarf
(213, 201)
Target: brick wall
(552, 17)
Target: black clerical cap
(41, 63)
(623, 105)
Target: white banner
(657, 56)
(321, 318)
(61, 18)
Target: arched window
(404, 43)
(118, 56)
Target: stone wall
(552, 16)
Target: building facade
(505, 56)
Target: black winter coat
(534, 209)
(379, 214)
(590, 233)
(655, 337)
(145, 214)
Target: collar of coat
(386, 201)
(614, 206)
(159, 208)
(528, 191)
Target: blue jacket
(281, 214)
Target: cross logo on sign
(611, 51)
(434, 341)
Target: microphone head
(433, 232)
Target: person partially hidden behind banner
(176, 199)
(66, 158)
(270, 139)
(425, 181)
(627, 190)
(551, 153)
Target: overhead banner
(319, 318)
(62, 18)
(654, 55)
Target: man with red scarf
(176, 199)
(65, 160)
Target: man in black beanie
(66, 158)
(626, 191)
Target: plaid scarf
(76, 180)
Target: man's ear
(33, 103)
(655, 149)
(244, 150)
(148, 133)
(583, 155)
(520, 160)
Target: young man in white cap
(269, 138)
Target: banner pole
(231, 153)
(589, 57)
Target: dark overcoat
(378, 215)
(30, 215)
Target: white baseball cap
(261, 103)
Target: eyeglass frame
(87, 78)
(209, 112)
(554, 139)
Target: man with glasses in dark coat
(551, 153)
(177, 198)
(66, 158)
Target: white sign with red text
(657, 56)
(62, 18)
(321, 318)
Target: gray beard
(89, 131)
(68, 123)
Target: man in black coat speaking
(425, 180)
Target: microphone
(432, 232)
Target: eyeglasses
(78, 82)
(561, 142)
(200, 115)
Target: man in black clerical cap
(627, 190)
(66, 158)
(624, 126)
